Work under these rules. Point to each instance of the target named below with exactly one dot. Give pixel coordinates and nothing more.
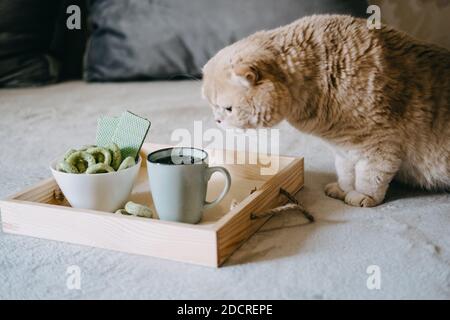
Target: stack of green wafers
(128, 131)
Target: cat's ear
(246, 75)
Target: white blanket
(407, 239)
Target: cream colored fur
(380, 98)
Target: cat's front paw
(357, 199)
(334, 191)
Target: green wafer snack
(106, 126)
(119, 140)
(130, 134)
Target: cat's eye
(229, 109)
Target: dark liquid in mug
(179, 159)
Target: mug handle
(209, 173)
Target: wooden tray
(42, 212)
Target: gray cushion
(166, 39)
(26, 33)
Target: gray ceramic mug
(178, 180)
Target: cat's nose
(218, 121)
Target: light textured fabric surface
(407, 237)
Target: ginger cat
(380, 98)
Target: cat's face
(243, 95)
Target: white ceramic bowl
(104, 191)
